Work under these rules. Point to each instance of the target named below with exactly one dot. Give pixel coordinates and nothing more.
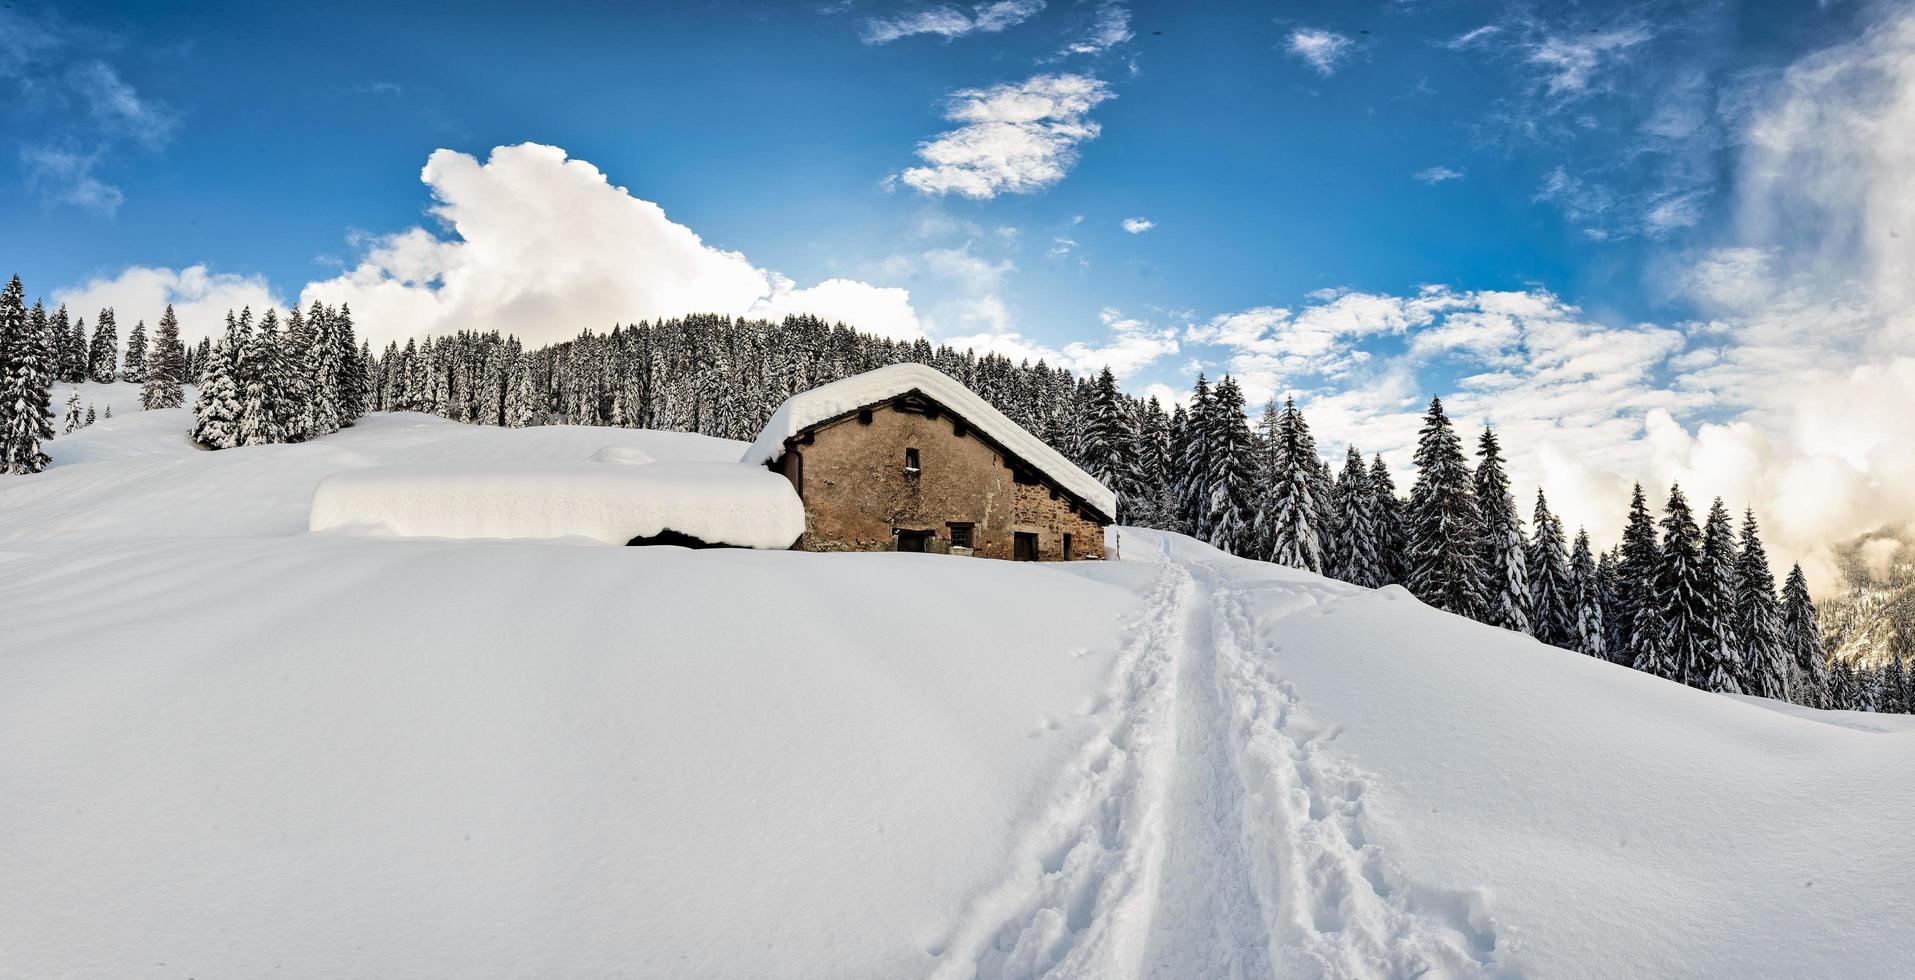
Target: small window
(911, 461)
(961, 536)
(1067, 547)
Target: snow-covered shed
(905, 458)
(618, 498)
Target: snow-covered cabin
(905, 458)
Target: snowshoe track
(1203, 834)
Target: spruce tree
(1230, 512)
(217, 408)
(136, 354)
(103, 356)
(90, 417)
(1194, 464)
(1289, 514)
(1443, 524)
(26, 385)
(1501, 541)
(1638, 603)
(1392, 532)
(1718, 561)
(1613, 649)
(1551, 596)
(261, 373)
(73, 419)
(166, 371)
(73, 356)
(1755, 619)
(1802, 643)
(1585, 593)
(1691, 649)
(1104, 446)
(1355, 554)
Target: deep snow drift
(236, 748)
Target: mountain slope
(241, 749)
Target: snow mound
(717, 503)
(624, 456)
(825, 402)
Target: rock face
(908, 475)
(1872, 619)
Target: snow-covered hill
(232, 748)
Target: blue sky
(1571, 219)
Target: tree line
(1690, 600)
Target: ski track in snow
(1204, 834)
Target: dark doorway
(1067, 547)
(913, 540)
(1023, 546)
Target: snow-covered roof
(826, 402)
(719, 503)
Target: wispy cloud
(1110, 29)
(1138, 226)
(1323, 50)
(1570, 63)
(949, 22)
(1437, 175)
(1014, 138)
(68, 178)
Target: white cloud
(1110, 29)
(68, 178)
(200, 298)
(543, 246)
(949, 22)
(1437, 175)
(1014, 138)
(1138, 226)
(1130, 345)
(1570, 63)
(1324, 50)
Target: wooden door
(1023, 546)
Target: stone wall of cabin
(857, 490)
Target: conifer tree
(73, 418)
(1638, 603)
(1355, 554)
(103, 356)
(1506, 579)
(166, 371)
(217, 408)
(1150, 467)
(1194, 464)
(1289, 514)
(1443, 524)
(1551, 595)
(1802, 643)
(1230, 512)
(1894, 697)
(1104, 451)
(1755, 619)
(1392, 533)
(1613, 649)
(1718, 561)
(90, 417)
(261, 372)
(73, 350)
(1585, 593)
(26, 385)
(1691, 649)
(136, 354)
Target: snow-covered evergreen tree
(1392, 531)
(103, 355)
(1355, 554)
(26, 385)
(1506, 579)
(1105, 449)
(1638, 602)
(1802, 643)
(72, 351)
(1443, 524)
(1718, 561)
(1613, 650)
(73, 418)
(1691, 648)
(262, 374)
(1585, 597)
(136, 354)
(1755, 619)
(1289, 514)
(90, 417)
(1230, 512)
(1551, 595)
(1194, 463)
(166, 369)
(217, 408)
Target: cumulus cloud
(1138, 226)
(1013, 138)
(1437, 175)
(543, 246)
(1129, 346)
(1322, 49)
(949, 22)
(200, 298)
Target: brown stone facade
(861, 494)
